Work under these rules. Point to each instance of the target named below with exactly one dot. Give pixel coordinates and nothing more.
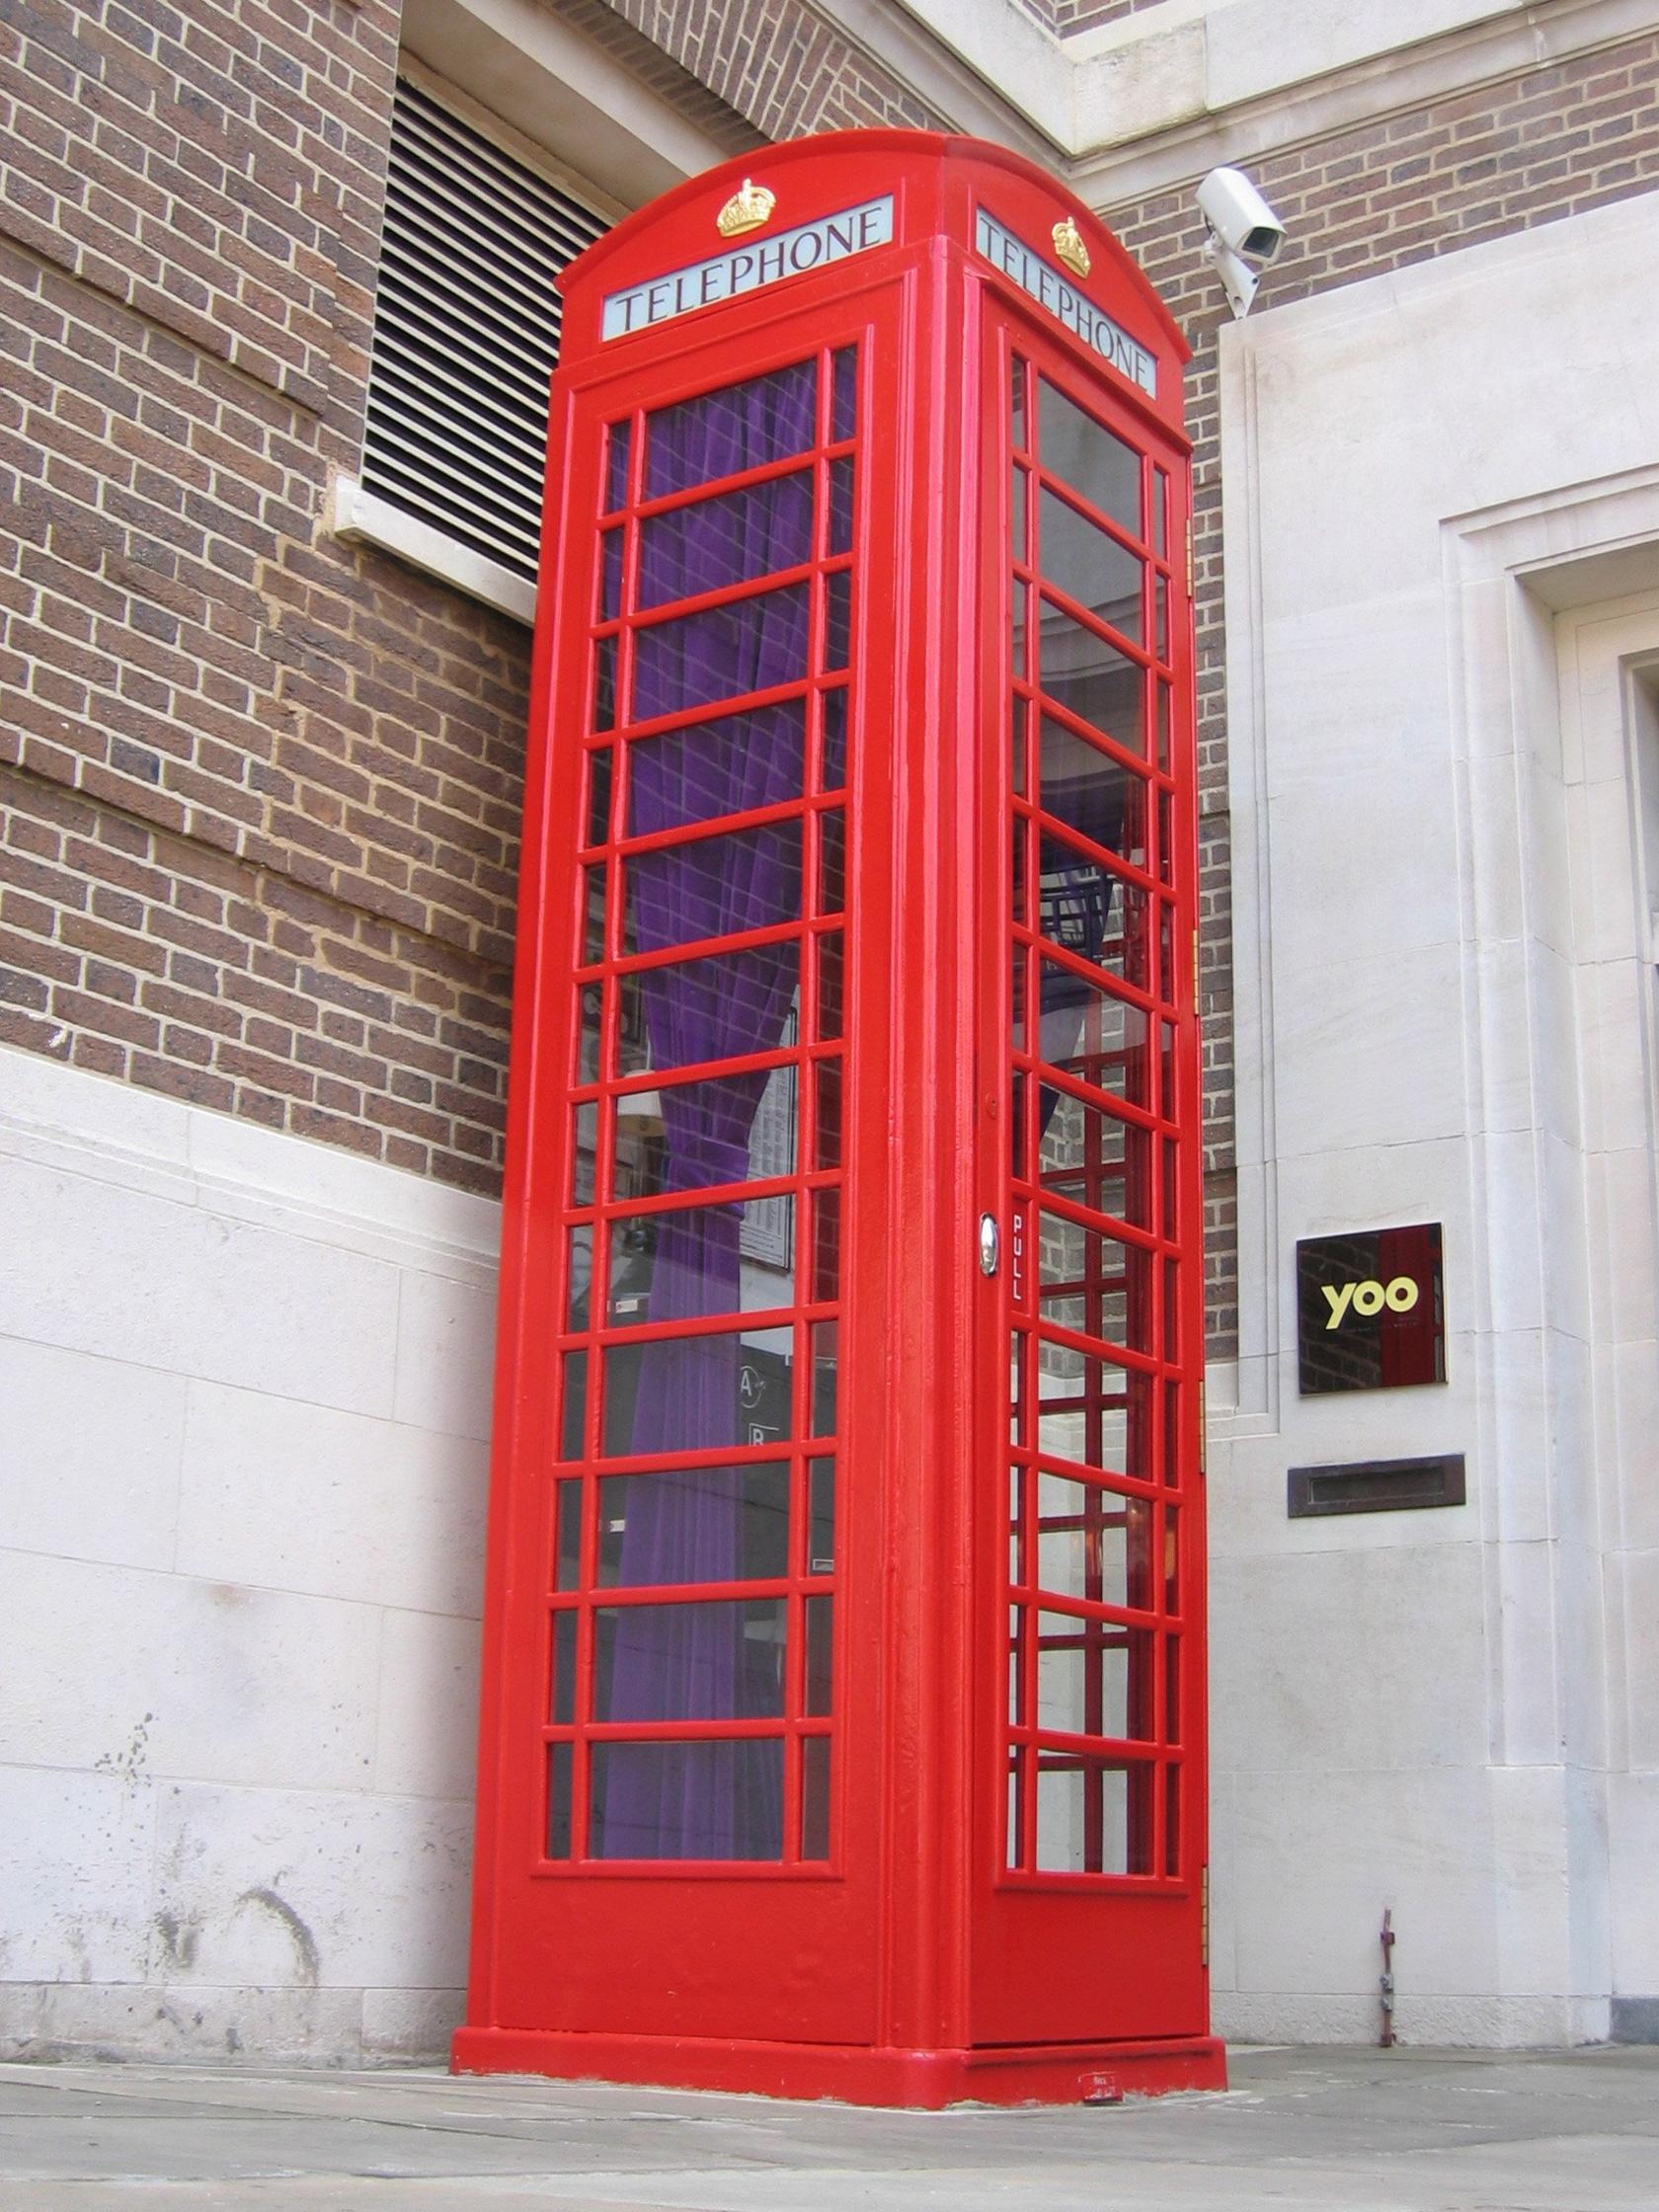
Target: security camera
(1239, 216)
(1243, 229)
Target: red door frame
(876, 1966)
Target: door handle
(990, 1244)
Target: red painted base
(925, 2081)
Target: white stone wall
(245, 1383)
(1432, 478)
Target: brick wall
(260, 791)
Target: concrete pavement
(1298, 2131)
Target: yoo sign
(1371, 1309)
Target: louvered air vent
(466, 331)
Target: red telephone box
(844, 1728)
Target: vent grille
(467, 332)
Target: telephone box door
(1095, 1819)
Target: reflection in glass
(1093, 1545)
(725, 766)
(573, 1424)
(1093, 1815)
(617, 439)
(664, 1266)
(1091, 792)
(1093, 1678)
(821, 1527)
(675, 895)
(697, 1393)
(1095, 1414)
(719, 1659)
(825, 1337)
(642, 1543)
(742, 426)
(1093, 1284)
(728, 539)
(1092, 679)
(837, 621)
(1090, 566)
(832, 862)
(840, 507)
(720, 653)
(711, 1798)
(1095, 1159)
(1080, 451)
(1092, 1036)
(828, 1145)
(707, 1149)
(706, 1009)
(1094, 915)
(583, 1159)
(610, 575)
(829, 965)
(819, 1656)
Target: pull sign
(990, 1245)
(763, 261)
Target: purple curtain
(707, 1800)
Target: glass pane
(712, 886)
(567, 1522)
(1161, 512)
(560, 1759)
(610, 575)
(1093, 680)
(698, 1393)
(1020, 1623)
(1018, 741)
(820, 1657)
(1094, 1284)
(740, 428)
(827, 1146)
(1093, 1817)
(617, 440)
(665, 1267)
(695, 660)
(1094, 915)
(560, 1703)
(1093, 1413)
(1172, 1820)
(843, 407)
(814, 1798)
(1019, 850)
(715, 768)
(1018, 491)
(830, 1009)
(1091, 1544)
(593, 915)
(832, 862)
(834, 740)
(572, 1428)
(1016, 398)
(579, 1276)
(584, 1159)
(1167, 837)
(695, 1525)
(605, 685)
(728, 539)
(1093, 1678)
(1172, 1559)
(840, 507)
(1095, 1159)
(1164, 698)
(837, 621)
(598, 794)
(718, 1008)
(1091, 792)
(1092, 1036)
(1020, 618)
(719, 1659)
(824, 1285)
(1173, 1690)
(824, 1340)
(820, 1529)
(709, 1799)
(1090, 566)
(1078, 450)
(733, 1129)
(1161, 617)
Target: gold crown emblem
(1069, 245)
(746, 209)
